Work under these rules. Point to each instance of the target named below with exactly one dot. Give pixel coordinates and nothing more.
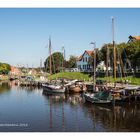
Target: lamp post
(63, 54)
(94, 75)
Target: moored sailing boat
(50, 88)
(102, 97)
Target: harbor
(38, 112)
(82, 79)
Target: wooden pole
(63, 58)
(114, 50)
(94, 75)
(107, 55)
(50, 57)
(94, 66)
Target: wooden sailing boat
(106, 95)
(121, 92)
(50, 88)
(98, 97)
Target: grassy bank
(71, 76)
(131, 79)
(86, 77)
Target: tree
(125, 52)
(98, 58)
(71, 63)
(4, 68)
(132, 50)
(56, 63)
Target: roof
(90, 53)
(134, 37)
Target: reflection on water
(62, 112)
(4, 87)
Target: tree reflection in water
(119, 118)
(4, 87)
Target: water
(30, 110)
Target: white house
(83, 62)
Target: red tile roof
(90, 53)
(136, 37)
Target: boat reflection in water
(63, 112)
(119, 118)
(98, 118)
(60, 106)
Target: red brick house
(15, 71)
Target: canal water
(27, 109)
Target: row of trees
(4, 68)
(128, 55)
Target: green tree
(4, 68)
(98, 58)
(132, 50)
(71, 63)
(56, 63)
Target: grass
(86, 77)
(71, 76)
(131, 79)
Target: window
(86, 59)
(79, 66)
(83, 59)
(83, 66)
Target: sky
(24, 32)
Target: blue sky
(24, 33)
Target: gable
(88, 53)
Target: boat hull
(75, 89)
(50, 90)
(94, 100)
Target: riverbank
(87, 77)
(4, 78)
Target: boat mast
(50, 57)
(107, 57)
(114, 49)
(94, 75)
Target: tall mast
(107, 57)
(114, 49)
(94, 75)
(50, 56)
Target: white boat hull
(52, 89)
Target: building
(133, 38)
(83, 62)
(15, 71)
